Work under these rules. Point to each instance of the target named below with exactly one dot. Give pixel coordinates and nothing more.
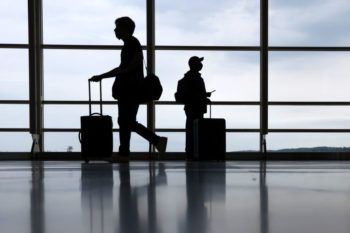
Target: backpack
(180, 95)
(150, 89)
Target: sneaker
(161, 145)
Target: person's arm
(109, 74)
(137, 59)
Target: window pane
(15, 142)
(243, 142)
(14, 21)
(278, 141)
(176, 141)
(309, 117)
(197, 22)
(67, 72)
(173, 116)
(238, 117)
(14, 74)
(234, 75)
(309, 76)
(234, 142)
(14, 116)
(90, 22)
(315, 23)
(62, 142)
(68, 116)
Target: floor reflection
(128, 200)
(97, 197)
(264, 199)
(204, 184)
(174, 197)
(37, 198)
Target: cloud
(310, 23)
(224, 23)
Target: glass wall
(307, 83)
(14, 76)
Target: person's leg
(159, 142)
(189, 135)
(191, 117)
(124, 121)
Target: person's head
(124, 27)
(195, 63)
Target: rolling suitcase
(209, 139)
(96, 133)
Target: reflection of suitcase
(96, 133)
(209, 139)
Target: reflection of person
(125, 88)
(97, 197)
(129, 217)
(37, 198)
(196, 219)
(191, 92)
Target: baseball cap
(195, 60)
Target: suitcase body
(96, 136)
(96, 133)
(209, 139)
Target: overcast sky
(294, 76)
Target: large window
(14, 74)
(308, 97)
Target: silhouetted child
(191, 92)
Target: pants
(191, 116)
(127, 111)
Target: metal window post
(151, 59)
(264, 62)
(35, 73)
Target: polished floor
(174, 197)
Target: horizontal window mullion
(188, 47)
(309, 130)
(207, 48)
(14, 46)
(87, 47)
(308, 49)
(14, 101)
(14, 129)
(309, 103)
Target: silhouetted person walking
(129, 75)
(191, 92)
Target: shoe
(161, 145)
(118, 159)
(112, 159)
(123, 159)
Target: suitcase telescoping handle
(101, 112)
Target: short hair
(126, 23)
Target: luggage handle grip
(90, 103)
(96, 114)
